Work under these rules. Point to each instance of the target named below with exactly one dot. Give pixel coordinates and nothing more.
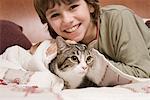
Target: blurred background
(22, 12)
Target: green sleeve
(130, 41)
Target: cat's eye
(89, 59)
(74, 58)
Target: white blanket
(16, 62)
(31, 70)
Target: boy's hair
(41, 6)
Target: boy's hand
(71, 42)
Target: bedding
(103, 93)
(24, 75)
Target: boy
(118, 32)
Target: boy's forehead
(53, 3)
(51, 10)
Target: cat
(72, 63)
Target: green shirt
(124, 39)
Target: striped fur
(72, 63)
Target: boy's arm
(131, 40)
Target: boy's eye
(55, 15)
(73, 6)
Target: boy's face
(70, 21)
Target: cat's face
(74, 60)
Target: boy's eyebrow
(49, 11)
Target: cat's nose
(84, 67)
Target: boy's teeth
(72, 29)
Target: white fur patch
(75, 74)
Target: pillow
(11, 34)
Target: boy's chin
(77, 39)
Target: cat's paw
(66, 85)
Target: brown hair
(41, 6)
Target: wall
(23, 13)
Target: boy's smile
(72, 29)
(73, 32)
(70, 21)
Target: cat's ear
(92, 44)
(61, 44)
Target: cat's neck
(73, 80)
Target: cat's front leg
(66, 85)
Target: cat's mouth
(83, 72)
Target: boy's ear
(91, 8)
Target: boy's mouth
(72, 29)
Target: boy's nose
(67, 18)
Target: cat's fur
(72, 63)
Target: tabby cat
(72, 63)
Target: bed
(103, 93)
(127, 88)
